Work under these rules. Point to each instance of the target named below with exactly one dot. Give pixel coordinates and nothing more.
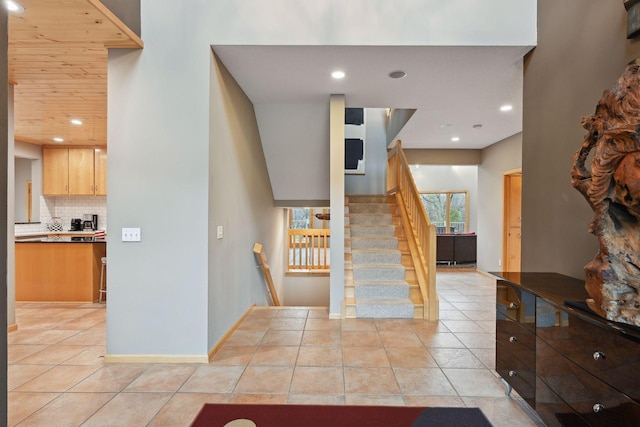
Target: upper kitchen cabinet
(74, 171)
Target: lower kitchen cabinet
(570, 365)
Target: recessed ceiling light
(397, 74)
(13, 6)
(77, 122)
(445, 125)
(338, 74)
(455, 139)
(58, 139)
(506, 107)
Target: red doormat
(220, 415)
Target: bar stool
(103, 284)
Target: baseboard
(231, 330)
(12, 327)
(156, 358)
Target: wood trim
(135, 42)
(228, 334)
(156, 358)
(314, 273)
(12, 327)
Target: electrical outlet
(220, 232)
(131, 235)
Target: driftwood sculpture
(612, 188)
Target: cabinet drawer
(605, 354)
(595, 401)
(518, 341)
(516, 373)
(553, 410)
(515, 304)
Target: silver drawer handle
(598, 407)
(513, 305)
(598, 355)
(514, 339)
(514, 373)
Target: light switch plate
(131, 235)
(220, 232)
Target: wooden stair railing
(264, 266)
(421, 234)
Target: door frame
(506, 194)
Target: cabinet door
(81, 172)
(55, 171)
(101, 171)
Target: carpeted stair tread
(372, 230)
(373, 219)
(396, 308)
(369, 208)
(381, 289)
(374, 242)
(376, 256)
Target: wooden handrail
(308, 249)
(264, 266)
(421, 234)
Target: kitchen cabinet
(74, 171)
(572, 366)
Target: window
(448, 211)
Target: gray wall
(128, 11)
(496, 159)
(245, 209)
(374, 179)
(582, 50)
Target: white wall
(159, 136)
(374, 179)
(501, 157)
(450, 178)
(306, 291)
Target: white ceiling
(458, 86)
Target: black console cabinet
(572, 366)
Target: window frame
(448, 195)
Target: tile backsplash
(67, 207)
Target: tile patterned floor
(57, 376)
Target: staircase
(379, 277)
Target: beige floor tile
(323, 325)
(87, 337)
(318, 313)
(110, 378)
(410, 357)
(439, 339)
(182, 408)
(92, 355)
(161, 378)
(69, 409)
(81, 323)
(481, 340)
(317, 380)
(233, 355)
(388, 324)
(17, 352)
(20, 374)
(361, 339)
(487, 356)
(435, 401)
(258, 399)
(456, 326)
(375, 400)
(424, 381)
(300, 313)
(365, 357)
(322, 338)
(265, 379)
(396, 338)
(255, 324)
(452, 315)
(475, 382)
(455, 358)
(245, 338)
(288, 324)
(213, 379)
(36, 336)
(319, 356)
(315, 399)
(473, 306)
(21, 405)
(58, 379)
(54, 354)
(502, 411)
(275, 355)
(370, 381)
(262, 312)
(428, 326)
(359, 325)
(129, 409)
(281, 338)
(481, 315)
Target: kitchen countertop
(48, 233)
(87, 238)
